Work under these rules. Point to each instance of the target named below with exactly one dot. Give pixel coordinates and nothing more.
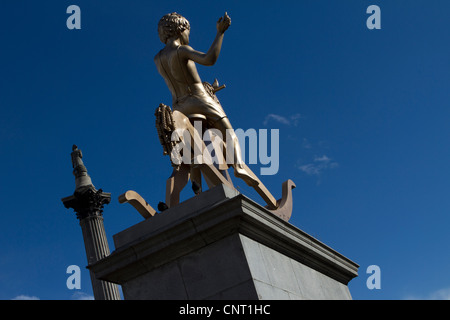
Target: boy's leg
(240, 170)
(175, 184)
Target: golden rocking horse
(181, 139)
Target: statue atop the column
(86, 200)
(82, 178)
(195, 101)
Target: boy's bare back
(176, 62)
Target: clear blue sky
(363, 118)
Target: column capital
(87, 202)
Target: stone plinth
(222, 245)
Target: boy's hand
(223, 24)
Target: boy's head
(172, 25)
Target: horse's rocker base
(222, 245)
(135, 199)
(283, 207)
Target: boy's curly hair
(172, 25)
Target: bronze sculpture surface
(176, 64)
(194, 101)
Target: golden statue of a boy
(176, 64)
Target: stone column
(88, 204)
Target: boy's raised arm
(209, 58)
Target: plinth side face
(278, 277)
(236, 267)
(216, 271)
